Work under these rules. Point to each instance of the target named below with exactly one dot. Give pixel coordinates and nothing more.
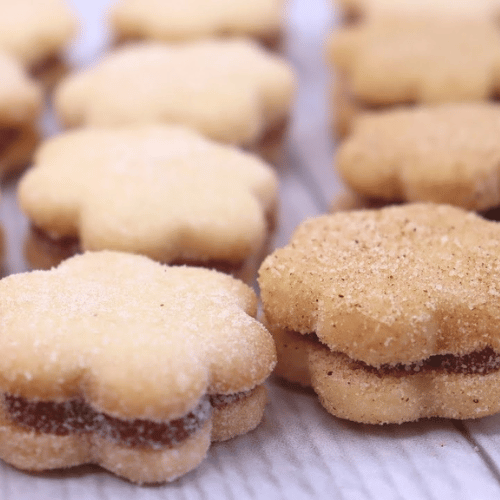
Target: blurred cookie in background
(233, 91)
(395, 61)
(173, 21)
(448, 153)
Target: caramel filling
(221, 400)
(75, 416)
(477, 362)
(8, 135)
(64, 247)
(39, 68)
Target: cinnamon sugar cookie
(117, 360)
(163, 191)
(230, 90)
(20, 105)
(390, 314)
(446, 154)
(173, 21)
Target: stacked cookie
(33, 35)
(389, 314)
(416, 85)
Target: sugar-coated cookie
(20, 105)
(230, 90)
(159, 190)
(390, 314)
(171, 21)
(448, 153)
(117, 360)
(394, 61)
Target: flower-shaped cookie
(446, 154)
(118, 360)
(20, 104)
(389, 61)
(391, 314)
(173, 21)
(162, 191)
(230, 90)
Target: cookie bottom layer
(367, 395)
(240, 416)
(29, 449)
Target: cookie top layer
(32, 30)
(465, 9)
(134, 338)
(20, 96)
(170, 20)
(394, 285)
(391, 61)
(445, 154)
(163, 191)
(230, 90)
